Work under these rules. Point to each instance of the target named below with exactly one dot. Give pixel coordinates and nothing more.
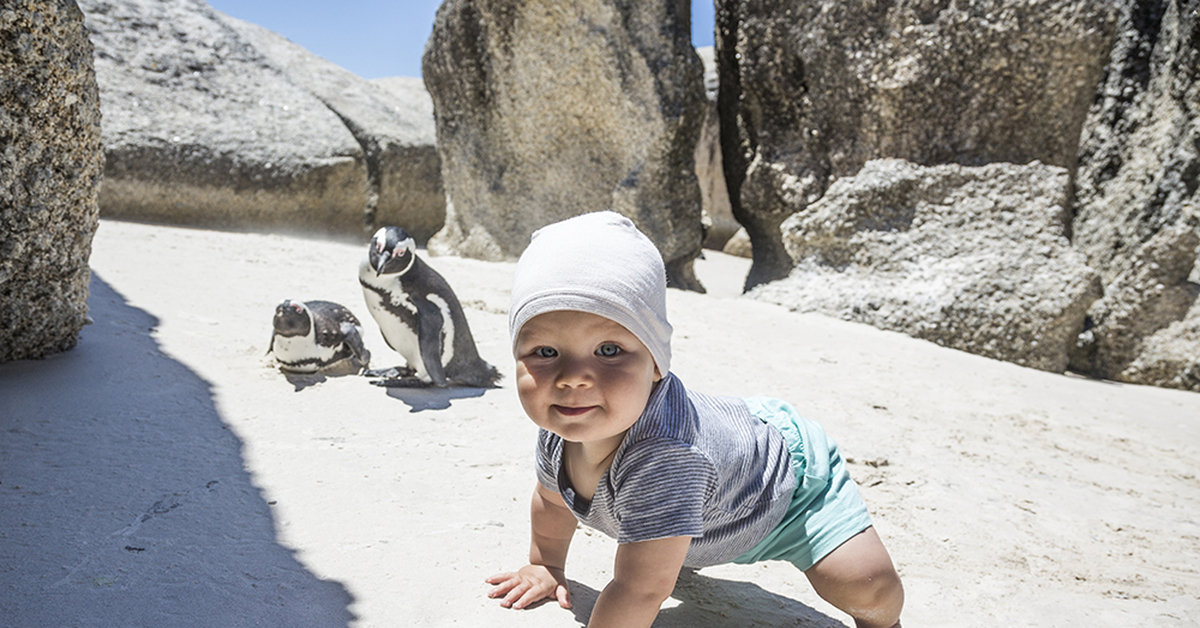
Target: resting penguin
(419, 316)
(316, 335)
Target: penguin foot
(395, 372)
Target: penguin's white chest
(381, 302)
(302, 354)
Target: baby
(678, 478)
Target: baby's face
(583, 376)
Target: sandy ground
(164, 473)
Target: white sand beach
(164, 472)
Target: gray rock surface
(398, 141)
(739, 245)
(546, 110)
(973, 258)
(50, 167)
(719, 223)
(817, 88)
(201, 129)
(1145, 328)
(1138, 204)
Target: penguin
(419, 315)
(317, 335)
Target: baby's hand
(530, 584)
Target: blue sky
(376, 38)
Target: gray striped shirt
(692, 465)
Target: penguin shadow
(402, 384)
(300, 381)
(431, 398)
(716, 603)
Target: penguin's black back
(465, 367)
(327, 319)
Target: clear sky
(376, 38)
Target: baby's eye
(545, 352)
(608, 350)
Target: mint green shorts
(826, 508)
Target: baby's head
(589, 327)
(600, 264)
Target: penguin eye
(546, 352)
(608, 350)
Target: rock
(396, 132)
(1139, 159)
(200, 128)
(973, 258)
(50, 167)
(1168, 358)
(719, 224)
(546, 110)
(739, 245)
(1152, 297)
(815, 89)
(1137, 201)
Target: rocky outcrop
(973, 258)
(546, 110)
(50, 166)
(719, 223)
(205, 124)
(1144, 330)
(1138, 204)
(395, 130)
(200, 129)
(812, 90)
(51, 163)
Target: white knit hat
(601, 264)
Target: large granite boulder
(812, 90)
(396, 132)
(200, 129)
(973, 258)
(546, 110)
(1138, 201)
(213, 122)
(50, 166)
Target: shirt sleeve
(661, 489)
(547, 468)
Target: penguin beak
(384, 257)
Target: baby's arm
(552, 524)
(644, 576)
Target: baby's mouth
(570, 410)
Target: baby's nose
(575, 373)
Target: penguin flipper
(354, 342)
(429, 339)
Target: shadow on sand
(124, 497)
(716, 603)
(420, 399)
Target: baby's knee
(876, 602)
(859, 578)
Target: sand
(164, 472)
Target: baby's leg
(858, 578)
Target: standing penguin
(418, 314)
(316, 335)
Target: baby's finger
(499, 577)
(504, 587)
(563, 595)
(534, 593)
(515, 594)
